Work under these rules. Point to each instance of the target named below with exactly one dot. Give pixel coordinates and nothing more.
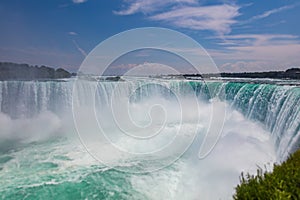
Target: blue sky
(239, 35)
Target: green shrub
(282, 183)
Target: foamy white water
(45, 157)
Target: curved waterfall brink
(274, 106)
(41, 155)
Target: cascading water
(38, 159)
(276, 107)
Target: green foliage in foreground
(282, 183)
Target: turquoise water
(41, 156)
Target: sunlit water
(41, 156)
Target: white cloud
(218, 18)
(149, 6)
(254, 52)
(271, 52)
(151, 69)
(271, 12)
(245, 66)
(187, 14)
(79, 49)
(79, 1)
(257, 66)
(258, 39)
(148, 68)
(245, 52)
(72, 33)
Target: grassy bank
(282, 183)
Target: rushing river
(42, 156)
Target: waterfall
(276, 107)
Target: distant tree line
(293, 73)
(13, 71)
